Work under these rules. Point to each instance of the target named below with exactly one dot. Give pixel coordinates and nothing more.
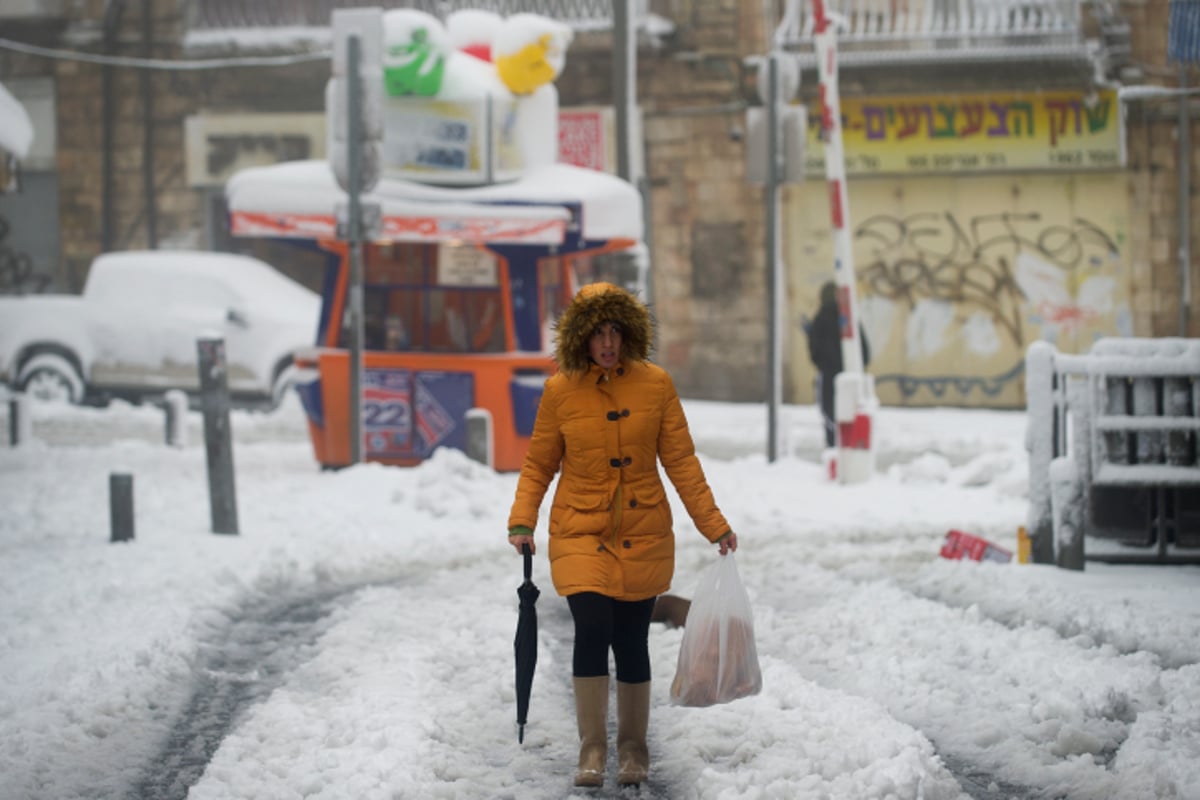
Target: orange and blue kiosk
(460, 291)
(483, 237)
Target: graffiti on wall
(989, 262)
(990, 386)
(957, 277)
(992, 275)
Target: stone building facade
(120, 176)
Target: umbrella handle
(525, 551)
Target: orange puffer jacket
(610, 522)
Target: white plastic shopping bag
(718, 661)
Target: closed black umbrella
(525, 643)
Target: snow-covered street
(355, 640)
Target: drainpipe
(624, 77)
(1185, 212)
(148, 132)
(112, 21)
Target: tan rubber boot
(633, 717)
(591, 713)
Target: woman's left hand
(728, 543)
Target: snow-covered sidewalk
(888, 671)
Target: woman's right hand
(517, 541)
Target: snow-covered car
(132, 333)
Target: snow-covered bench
(1113, 459)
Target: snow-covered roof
(16, 131)
(299, 198)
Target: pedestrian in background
(606, 419)
(825, 349)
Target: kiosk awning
(298, 199)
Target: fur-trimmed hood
(594, 304)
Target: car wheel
(49, 377)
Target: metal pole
(854, 400)
(624, 70)
(1070, 526)
(354, 146)
(1185, 211)
(774, 371)
(107, 138)
(218, 435)
(148, 131)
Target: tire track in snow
(982, 784)
(246, 660)
(842, 634)
(1069, 625)
(265, 639)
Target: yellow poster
(985, 132)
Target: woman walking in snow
(606, 419)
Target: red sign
(582, 139)
(960, 545)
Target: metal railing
(894, 20)
(907, 31)
(1113, 452)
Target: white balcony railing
(889, 31)
(893, 20)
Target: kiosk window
(409, 305)
(556, 295)
(561, 277)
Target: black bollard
(120, 506)
(218, 436)
(20, 424)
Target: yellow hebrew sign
(986, 132)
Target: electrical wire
(165, 64)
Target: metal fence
(1113, 458)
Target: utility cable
(165, 64)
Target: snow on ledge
(16, 131)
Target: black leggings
(602, 622)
